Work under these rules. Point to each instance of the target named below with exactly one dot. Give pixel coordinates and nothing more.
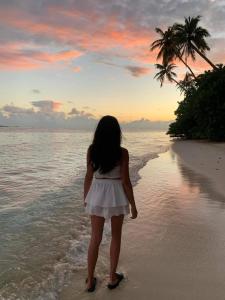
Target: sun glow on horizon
(87, 60)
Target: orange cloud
(56, 105)
(90, 38)
(20, 63)
(76, 69)
(13, 57)
(87, 30)
(55, 57)
(47, 106)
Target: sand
(204, 158)
(175, 249)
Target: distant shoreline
(8, 126)
(84, 129)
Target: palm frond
(159, 31)
(165, 71)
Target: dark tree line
(201, 114)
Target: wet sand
(204, 158)
(175, 249)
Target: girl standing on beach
(107, 194)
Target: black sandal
(93, 286)
(120, 277)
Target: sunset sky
(86, 58)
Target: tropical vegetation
(201, 114)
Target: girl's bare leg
(97, 225)
(116, 229)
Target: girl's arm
(127, 183)
(88, 176)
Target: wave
(137, 163)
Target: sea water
(44, 231)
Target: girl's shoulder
(89, 149)
(125, 152)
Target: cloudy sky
(76, 60)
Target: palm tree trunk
(175, 81)
(203, 56)
(179, 84)
(184, 62)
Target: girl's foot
(112, 285)
(91, 284)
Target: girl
(107, 195)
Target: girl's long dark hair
(105, 150)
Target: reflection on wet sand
(197, 181)
(175, 249)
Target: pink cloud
(56, 105)
(89, 30)
(15, 57)
(16, 62)
(47, 106)
(76, 69)
(90, 39)
(55, 57)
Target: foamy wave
(76, 255)
(137, 163)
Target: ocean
(44, 231)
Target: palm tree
(166, 72)
(187, 83)
(190, 38)
(168, 49)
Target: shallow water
(174, 250)
(43, 229)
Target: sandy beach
(175, 249)
(204, 158)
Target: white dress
(106, 196)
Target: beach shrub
(201, 114)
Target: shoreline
(174, 249)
